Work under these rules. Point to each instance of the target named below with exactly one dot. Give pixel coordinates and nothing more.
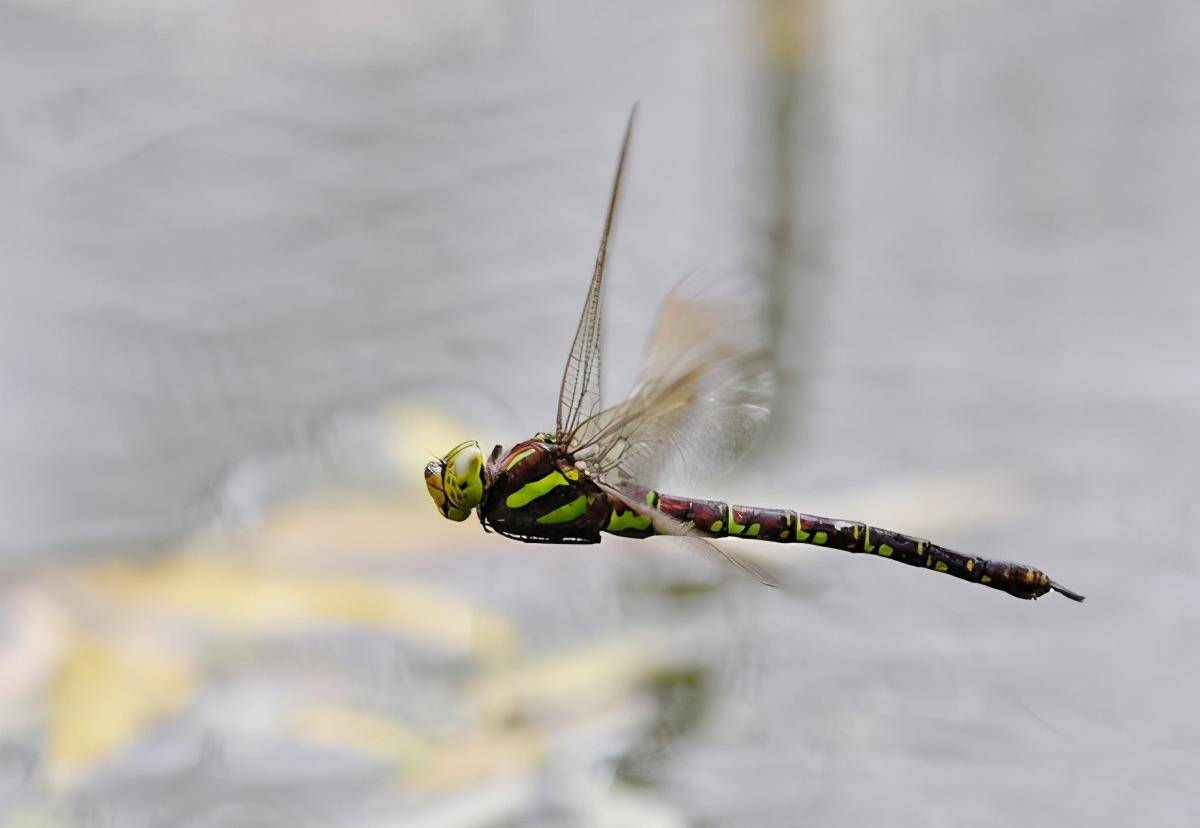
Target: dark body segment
(718, 519)
(536, 494)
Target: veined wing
(664, 524)
(704, 388)
(579, 394)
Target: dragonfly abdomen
(718, 520)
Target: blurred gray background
(262, 256)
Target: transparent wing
(579, 394)
(664, 524)
(704, 389)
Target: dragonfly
(704, 387)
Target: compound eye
(435, 483)
(457, 514)
(456, 481)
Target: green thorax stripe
(532, 491)
(565, 514)
(521, 456)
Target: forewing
(704, 389)
(664, 524)
(579, 394)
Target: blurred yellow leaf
(374, 735)
(238, 596)
(492, 752)
(422, 762)
(415, 434)
(106, 696)
(352, 524)
(586, 677)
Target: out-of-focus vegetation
(262, 259)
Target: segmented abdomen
(718, 519)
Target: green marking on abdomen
(568, 513)
(801, 535)
(821, 537)
(735, 528)
(532, 491)
(885, 550)
(620, 521)
(519, 458)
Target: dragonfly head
(455, 482)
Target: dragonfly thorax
(455, 482)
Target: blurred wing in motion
(664, 524)
(579, 395)
(704, 389)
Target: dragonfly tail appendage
(1062, 590)
(717, 519)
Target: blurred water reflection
(239, 243)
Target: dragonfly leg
(533, 539)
